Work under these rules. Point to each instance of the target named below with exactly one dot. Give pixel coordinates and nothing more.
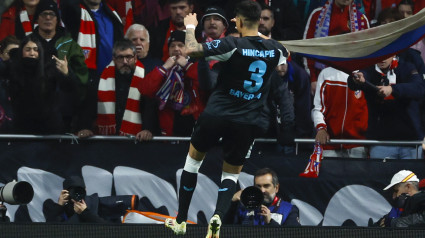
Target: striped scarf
(390, 77)
(132, 119)
(129, 19)
(87, 36)
(25, 21)
(172, 91)
(323, 22)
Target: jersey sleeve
(221, 49)
(284, 54)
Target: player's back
(244, 81)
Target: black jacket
(99, 209)
(54, 212)
(414, 212)
(37, 100)
(397, 119)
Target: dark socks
(187, 187)
(225, 194)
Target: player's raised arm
(193, 48)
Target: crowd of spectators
(59, 63)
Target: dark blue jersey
(244, 81)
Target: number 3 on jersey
(254, 84)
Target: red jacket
(166, 116)
(341, 111)
(7, 25)
(338, 25)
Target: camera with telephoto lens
(77, 193)
(17, 193)
(252, 198)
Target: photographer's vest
(279, 212)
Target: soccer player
(233, 110)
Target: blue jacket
(282, 213)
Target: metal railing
(417, 143)
(75, 140)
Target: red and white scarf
(132, 119)
(87, 36)
(129, 19)
(390, 75)
(26, 22)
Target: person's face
(93, 4)
(30, 50)
(47, 21)
(282, 69)
(214, 26)
(265, 183)
(31, 3)
(405, 10)
(385, 64)
(125, 61)
(140, 39)
(178, 11)
(401, 188)
(343, 3)
(5, 55)
(177, 48)
(266, 22)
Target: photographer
(73, 205)
(408, 202)
(274, 211)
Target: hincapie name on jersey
(258, 53)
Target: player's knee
(192, 165)
(232, 176)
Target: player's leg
(203, 137)
(188, 181)
(236, 145)
(229, 178)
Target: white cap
(401, 177)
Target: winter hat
(211, 11)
